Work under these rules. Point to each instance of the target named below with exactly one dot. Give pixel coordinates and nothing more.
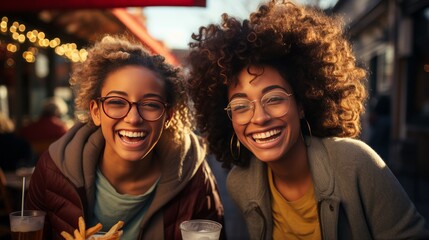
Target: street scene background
(390, 39)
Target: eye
(273, 99)
(151, 105)
(115, 102)
(239, 106)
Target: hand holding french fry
(82, 233)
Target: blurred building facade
(38, 50)
(391, 39)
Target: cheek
(294, 126)
(239, 132)
(158, 127)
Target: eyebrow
(124, 94)
(265, 90)
(269, 88)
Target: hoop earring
(237, 145)
(167, 124)
(309, 132)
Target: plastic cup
(28, 226)
(200, 229)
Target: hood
(77, 153)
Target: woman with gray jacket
(280, 96)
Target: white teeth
(259, 136)
(131, 134)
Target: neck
(292, 175)
(132, 177)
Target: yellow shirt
(294, 220)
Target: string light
(38, 38)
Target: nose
(133, 115)
(260, 116)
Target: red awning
(36, 5)
(139, 30)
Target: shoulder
(47, 171)
(350, 148)
(348, 154)
(46, 163)
(346, 144)
(47, 180)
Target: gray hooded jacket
(357, 195)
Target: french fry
(81, 233)
(77, 235)
(92, 230)
(67, 236)
(82, 228)
(115, 228)
(113, 236)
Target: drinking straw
(22, 197)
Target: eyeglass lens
(117, 107)
(276, 104)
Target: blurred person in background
(48, 127)
(15, 152)
(133, 157)
(279, 96)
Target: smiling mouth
(129, 136)
(268, 136)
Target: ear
(95, 112)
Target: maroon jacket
(63, 185)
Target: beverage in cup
(27, 225)
(200, 229)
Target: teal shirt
(111, 206)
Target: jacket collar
(320, 168)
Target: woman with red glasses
(280, 96)
(134, 156)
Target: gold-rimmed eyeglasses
(275, 103)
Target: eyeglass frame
(229, 113)
(130, 105)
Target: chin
(267, 157)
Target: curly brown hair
(304, 44)
(114, 52)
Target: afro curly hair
(303, 44)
